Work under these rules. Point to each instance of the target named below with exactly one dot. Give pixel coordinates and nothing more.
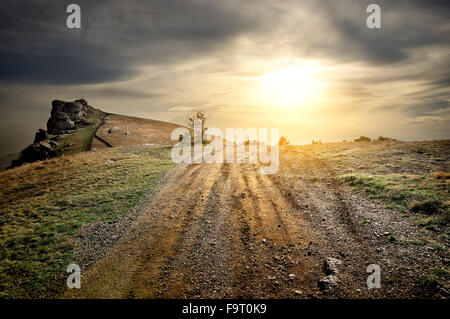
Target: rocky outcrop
(44, 146)
(64, 119)
(65, 115)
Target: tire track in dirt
(272, 261)
(199, 267)
(327, 214)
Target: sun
(292, 87)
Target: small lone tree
(199, 115)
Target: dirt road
(226, 231)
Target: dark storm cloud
(118, 37)
(56, 69)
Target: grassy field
(411, 177)
(79, 140)
(44, 204)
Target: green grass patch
(44, 204)
(425, 197)
(428, 284)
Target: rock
(15, 163)
(330, 266)
(291, 276)
(35, 152)
(45, 145)
(59, 123)
(386, 233)
(40, 135)
(111, 130)
(63, 117)
(65, 114)
(328, 282)
(74, 110)
(83, 102)
(298, 292)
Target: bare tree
(199, 115)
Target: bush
(284, 141)
(363, 139)
(385, 139)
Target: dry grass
(142, 131)
(411, 177)
(441, 175)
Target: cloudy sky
(312, 68)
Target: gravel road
(226, 231)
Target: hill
(121, 130)
(44, 204)
(76, 126)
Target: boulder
(45, 146)
(53, 143)
(64, 115)
(59, 123)
(34, 152)
(41, 135)
(82, 102)
(74, 111)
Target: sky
(311, 68)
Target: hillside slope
(76, 126)
(44, 204)
(122, 130)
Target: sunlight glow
(292, 87)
